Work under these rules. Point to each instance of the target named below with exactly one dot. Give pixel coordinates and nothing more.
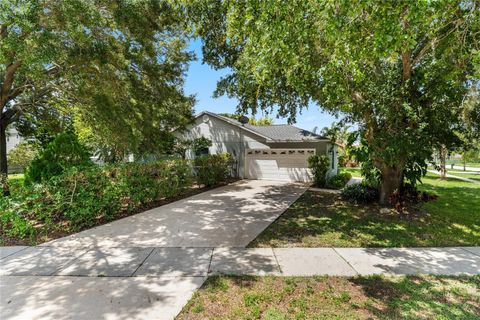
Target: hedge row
(84, 196)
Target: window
(202, 152)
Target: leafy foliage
(411, 195)
(22, 154)
(82, 198)
(401, 72)
(339, 180)
(115, 67)
(319, 164)
(263, 121)
(44, 122)
(62, 153)
(214, 169)
(200, 146)
(360, 193)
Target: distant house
(13, 138)
(273, 152)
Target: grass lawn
(460, 163)
(323, 220)
(16, 180)
(277, 298)
(355, 172)
(472, 176)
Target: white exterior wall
(333, 165)
(13, 139)
(230, 138)
(225, 137)
(321, 147)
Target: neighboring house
(275, 152)
(13, 138)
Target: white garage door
(278, 164)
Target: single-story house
(270, 152)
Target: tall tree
(262, 121)
(399, 69)
(120, 64)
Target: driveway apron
(145, 266)
(230, 216)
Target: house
(273, 152)
(13, 138)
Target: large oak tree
(117, 66)
(399, 69)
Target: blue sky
(202, 80)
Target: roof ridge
(272, 132)
(271, 125)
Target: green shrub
(214, 169)
(151, 181)
(22, 155)
(82, 197)
(339, 181)
(319, 164)
(62, 153)
(360, 193)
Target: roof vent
(243, 119)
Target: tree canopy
(116, 66)
(262, 121)
(400, 70)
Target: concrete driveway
(146, 266)
(229, 216)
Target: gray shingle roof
(278, 132)
(285, 132)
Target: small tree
(63, 152)
(22, 154)
(319, 165)
(470, 156)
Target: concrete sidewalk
(457, 167)
(455, 177)
(155, 283)
(201, 262)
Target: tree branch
(7, 83)
(3, 31)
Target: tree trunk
(3, 161)
(391, 180)
(443, 160)
(464, 164)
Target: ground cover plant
(375, 297)
(323, 219)
(81, 198)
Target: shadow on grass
(424, 297)
(374, 297)
(320, 219)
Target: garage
(278, 164)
